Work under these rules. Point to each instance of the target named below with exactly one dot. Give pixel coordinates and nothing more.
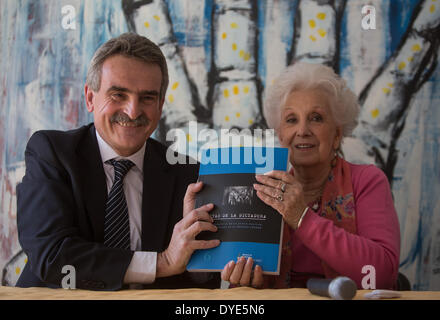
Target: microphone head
(342, 288)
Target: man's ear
(161, 102)
(89, 94)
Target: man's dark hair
(130, 45)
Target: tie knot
(121, 167)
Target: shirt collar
(107, 153)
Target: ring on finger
(283, 187)
(280, 198)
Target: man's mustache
(122, 117)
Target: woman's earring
(335, 159)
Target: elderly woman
(339, 217)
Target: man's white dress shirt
(142, 268)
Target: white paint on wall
(366, 49)
(276, 36)
(316, 42)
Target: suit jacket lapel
(93, 183)
(156, 199)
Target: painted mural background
(222, 55)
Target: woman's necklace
(316, 197)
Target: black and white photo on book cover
(246, 225)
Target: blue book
(246, 225)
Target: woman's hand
(241, 273)
(284, 193)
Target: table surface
(242, 293)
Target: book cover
(246, 225)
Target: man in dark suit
(103, 198)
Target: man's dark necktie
(116, 223)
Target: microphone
(340, 288)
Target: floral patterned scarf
(337, 203)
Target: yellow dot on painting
(175, 85)
(171, 98)
(375, 113)
(234, 25)
(224, 35)
(416, 47)
(402, 65)
(156, 17)
(322, 32)
(312, 23)
(432, 8)
(251, 121)
(246, 89)
(321, 15)
(17, 270)
(226, 118)
(410, 59)
(389, 84)
(238, 114)
(241, 53)
(188, 137)
(235, 90)
(146, 24)
(386, 90)
(312, 38)
(226, 93)
(234, 46)
(247, 56)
